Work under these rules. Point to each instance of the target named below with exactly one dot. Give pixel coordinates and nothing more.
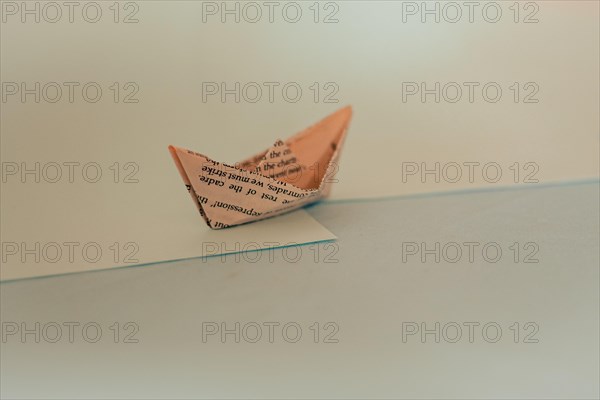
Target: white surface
(143, 235)
(369, 293)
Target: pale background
(368, 54)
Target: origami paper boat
(287, 176)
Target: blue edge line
(342, 201)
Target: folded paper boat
(287, 176)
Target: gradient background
(368, 53)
